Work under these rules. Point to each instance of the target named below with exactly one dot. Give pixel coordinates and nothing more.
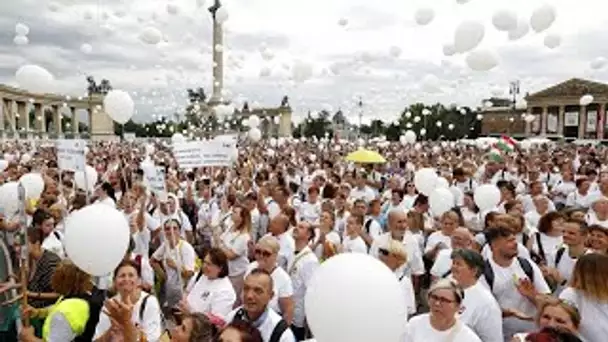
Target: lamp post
(514, 92)
(360, 105)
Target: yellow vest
(75, 310)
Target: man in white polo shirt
(257, 293)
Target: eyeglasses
(384, 251)
(440, 300)
(263, 253)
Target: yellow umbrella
(364, 156)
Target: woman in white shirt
(146, 311)
(105, 195)
(234, 243)
(409, 197)
(353, 242)
(548, 239)
(589, 294)
(441, 323)
(442, 239)
(210, 290)
(173, 263)
(327, 240)
(266, 254)
(579, 198)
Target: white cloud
(347, 60)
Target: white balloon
(301, 71)
(552, 40)
(441, 200)
(22, 29)
(35, 78)
(172, 8)
(255, 134)
(221, 15)
(586, 100)
(425, 179)
(267, 54)
(542, 18)
(254, 121)
(328, 304)
(468, 35)
(442, 183)
(343, 22)
(487, 196)
(178, 138)
(424, 16)
(9, 193)
(482, 60)
(395, 51)
(33, 183)
(520, 30)
(151, 35)
(504, 20)
(104, 227)
(224, 111)
(119, 105)
(598, 63)
(410, 136)
(21, 40)
(449, 50)
(3, 164)
(86, 48)
(87, 184)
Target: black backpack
(559, 255)
(142, 308)
(277, 332)
(488, 272)
(540, 257)
(95, 301)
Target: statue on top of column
(285, 101)
(213, 9)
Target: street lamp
(514, 92)
(360, 104)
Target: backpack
(539, 257)
(559, 255)
(368, 224)
(526, 266)
(277, 332)
(142, 308)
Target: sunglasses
(384, 251)
(440, 300)
(263, 253)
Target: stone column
(9, 105)
(528, 124)
(582, 122)
(2, 119)
(543, 121)
(57, 122)
(39, 119)
(561, 117)
(218, 59)
(24, 119)
(75, 124)
(601, 121)
(285, 124)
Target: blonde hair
(590, 277)
(270, 242)
(570, 309)
(396, 249)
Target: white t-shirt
(54, 243)
(480, 312)
(354, 245)
(310, 212)
(300, 269)
(442, 264)
(214, 296)
(594, 315)
(183, 255)
(149, 322)
(435, 238)
(281, 283)
(409, 296)
(550, 246)
(419, 329)
(237, 242)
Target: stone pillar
(75, 124)
(2, 120)
(285, 123)
(561, 117)
(601, 121)
(218, 62)
(39, 119)
(57, 122)
(9, 105)
(24, 119)
(543, 121)
(528, 124)
(582, 122)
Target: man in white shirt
(362, 191)
(278, 228)
(257, 293)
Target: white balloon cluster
(119, 105)
(21, 32)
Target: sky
(374, 50)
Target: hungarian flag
(506, 144)
(496, 156)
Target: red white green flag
(506, 144)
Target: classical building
(274, 122)
(501, 116)
(48, 114)
(557, 110)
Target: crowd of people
(227, 254)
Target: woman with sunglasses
(266, 254)
(441, 323)
(210, 290)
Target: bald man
(461, 239)
(278, 227)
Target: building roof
(574, 87)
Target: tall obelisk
(218, 56)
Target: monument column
(74, 123)
(601, 121)
(582, 122)
(218, 56)
(2, 119)
(40, 122)
(528, 124)
(543, 121)
(57, 122)
(285, 123)
(9, 106)
(24, 119)
(561, 118)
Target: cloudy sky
(373, 49)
